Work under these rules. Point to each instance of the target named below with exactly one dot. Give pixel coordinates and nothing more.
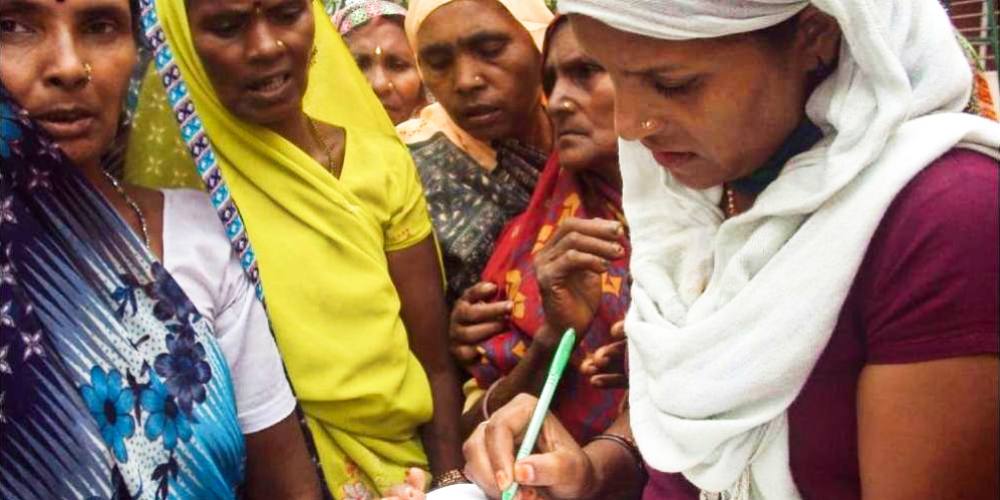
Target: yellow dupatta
(321, 244)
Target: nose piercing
(392, 86)
(648, 124)
(88, 71)
(280, 44)
(477, 79)
(567, 105)
(378, 50)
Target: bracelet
(486, 399)
(628, 445)
(454, 476)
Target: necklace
(132, 204)
(730, 201)
(323, 144)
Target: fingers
(618, 330)
(478, 468)
(475, 333)
(416, 478)
(608, 381)
(568, 262)
(479, 292)
(603, 229)
(465, 354)
(501, 431)
(605, 249)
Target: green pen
(556, 369)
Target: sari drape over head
(318, 245)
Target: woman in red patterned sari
(506, 327)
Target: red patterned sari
(585, 410)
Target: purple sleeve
(930, 283)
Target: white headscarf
(729, 317)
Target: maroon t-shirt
(927, 290)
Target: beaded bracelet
(628, 445)
(454, 476)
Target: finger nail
(509, 306)
(524, 473)
(619, 249)
(502, 480)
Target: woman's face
(256, 53)
(482, 66)
(68, 64)
(710, 110)
(383, 54)
(581, 105)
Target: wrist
(547, 338)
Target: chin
(266, 117)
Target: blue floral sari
(112, 385)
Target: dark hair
(780, 35)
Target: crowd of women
(283, 249)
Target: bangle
(486, 398)
(628, 445)
(454, 476)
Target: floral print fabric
(113, 385)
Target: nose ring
(567, 105)
(88, 71)
(280, 44)
(378, 50)
(392, 86)
(648, 124)
(477, 79)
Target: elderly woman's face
(383, 54)
(482, 66)
(710, 110)
(68, 64)
(256, 53)
(581, 104)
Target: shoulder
(927, 286)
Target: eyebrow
(482, 37)
(665, 68)
(21, 6)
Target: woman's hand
(569, 269)
(561, 471)
(412, 489)
(606, 365)
(476, 318)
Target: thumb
(542, 470)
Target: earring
(88, 71)
(648, 124)
(312, 55)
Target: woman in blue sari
(125, 370)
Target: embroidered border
(198, 144)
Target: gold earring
(89, 71)
(312, 56)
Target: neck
(94, 173)
(296, 131)
(539, 132)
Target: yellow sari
(321, 245)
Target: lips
(672, 160)
(482, 115)
(270, 85)
(69, 122)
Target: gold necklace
(323, 144)
(143, 227)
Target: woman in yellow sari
(332, 222)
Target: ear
(818, 39)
